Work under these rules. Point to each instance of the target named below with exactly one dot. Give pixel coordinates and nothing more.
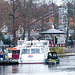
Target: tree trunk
(30, 5)
(42, 23)
(14, 32)
(23, 33)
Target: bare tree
(14, 8)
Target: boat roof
(13, 48)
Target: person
(71, 43)
(9, 45)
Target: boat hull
(32, 62)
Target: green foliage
(59, 50)
(1, 36)
(7, 41)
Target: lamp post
(67, 33)
(1, 46)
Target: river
(66, 67)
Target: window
(18, 52)
(50, 54)
(44, 43)
(33, 51)
(20, 42)
(26, 51)
(14, 52)
(37, 50)
(54, 54)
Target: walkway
(68, 52)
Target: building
(63, 20)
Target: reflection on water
(33, 68)
(15, 69)
(25, 69)
(67, 64)
(2, 68)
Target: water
(66, 67)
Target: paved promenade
(68, 52)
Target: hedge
(59, 50)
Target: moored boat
(13, 53)
(34, 51)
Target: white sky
(58, 2)
(6, 0)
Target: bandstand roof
(52, 31)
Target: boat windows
(29, 44)
(50, 54)
(44, 43)
(16, 52)
(26, 51)
(42, 50)
(54, 54)
(34, 51)
(36, 43)
(20, 42)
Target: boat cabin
(52, 55)
(52, 58)
(13, 53)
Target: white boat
(34, 51)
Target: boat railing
(36, 44)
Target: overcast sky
(58, 2)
